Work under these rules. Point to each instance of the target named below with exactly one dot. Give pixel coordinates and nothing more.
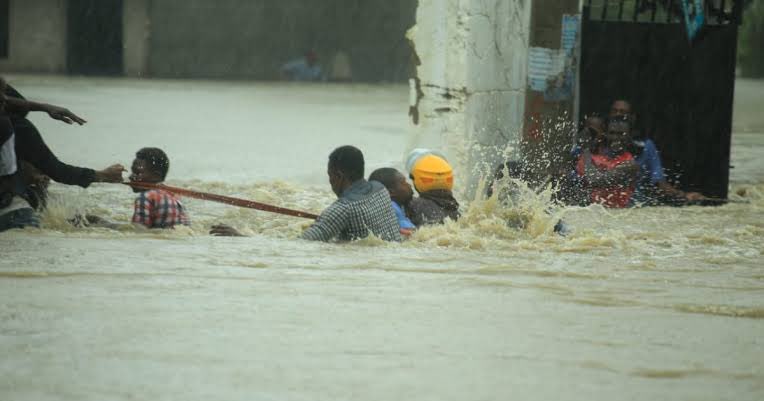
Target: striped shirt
(364, 208)
(159, 209)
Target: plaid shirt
(364, 207)
(159, 209)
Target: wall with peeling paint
(472, 76)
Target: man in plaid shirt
(155, 208)
(363, 207)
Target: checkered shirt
(159, 209)
(364, 207)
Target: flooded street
(654, 303)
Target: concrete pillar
(472, 78)
(136, 31)
(37, 37)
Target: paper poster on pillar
(553, 71)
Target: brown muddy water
(654, 303)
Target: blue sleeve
(651, 161)
(403, 221)
(293, 65)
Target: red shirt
(159, 209)
(615, 196)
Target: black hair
(622, 99)
(386, 175)
(158, 161)
(347, 160)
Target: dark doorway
(682, 91)
(4, 28)
(94, 37)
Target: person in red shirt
(609, 171)
(155, 208)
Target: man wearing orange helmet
(433, 179)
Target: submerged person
(608, 172)
(505, 187)
(433, 180)
(153, 208)
(305, 68)
(362, 208)
(652, 186)
(401, 195)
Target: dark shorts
(19, 218)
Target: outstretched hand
(63, 114)
(112, 174)
(222, 230)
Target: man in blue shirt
(401, 194)
(652, 187)
(303, 69)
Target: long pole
(223, 199)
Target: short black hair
(386, 175)
(622, 99)
(158, 161)
(347, 160)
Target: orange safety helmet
(432, 172)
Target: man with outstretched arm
(30, 146)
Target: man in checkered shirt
(155, 208)
(363, 208)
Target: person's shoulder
(151, 194)
(337, 207)
(419, 203)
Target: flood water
(654, 303)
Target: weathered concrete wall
(37, 37)
(473, 77)
(136, 29)
(246, 38)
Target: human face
(401, 193)
(336, 180)
(141, 172)
(620, 108)
(617, 139)
(597, 124)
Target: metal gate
(681, 89)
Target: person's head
(620, 108)
(618, 134)
(311, 57)
(596, 123)
(593, 132)
(150, 165)
(345, 167)
(431, 172)
(396, 184)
